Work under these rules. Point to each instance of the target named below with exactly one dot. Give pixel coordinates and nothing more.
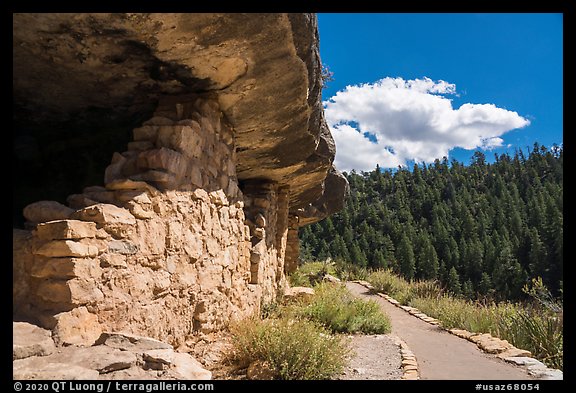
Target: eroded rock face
(331, 201)
(263, 69)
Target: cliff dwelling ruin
(163, 166)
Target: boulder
(131, 342)
(131, 373)
(127, 184)
(100, 358)
(551, 374)
(114, 356)
(36, 368)
(158, 359)
(30, 340)
(295, 293)
(525, 361)
(89, 362)
(330, 278)
(43, 211)
(186, 367)
(76, 327)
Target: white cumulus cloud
(394, 120)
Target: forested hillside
(480, 229)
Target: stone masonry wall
(267, 218)
(169, 247)
(292, 245)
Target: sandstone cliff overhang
(264, 70)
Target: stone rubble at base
(36, 357)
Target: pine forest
(481, 230)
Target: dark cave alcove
(54, 160)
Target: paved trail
(440, 354)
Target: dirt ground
(376, 357)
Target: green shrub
(310, 273)
(350, 272)
(461, 314)
(270, 310)
(294, 349)
(337, 309)
(539, 332)
(426, 289)
(299, 279)
(387, 282)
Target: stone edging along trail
(492, 345)
(409, 362)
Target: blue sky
(423, 84)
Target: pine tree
(468, 289)
(357, 255)
(427, 261)
(329, 230)
(509, 277)
(379, 261)
(442, 272)
(474, 256)
(453, 283)
(537, 256)
(387, 248)
(323, 250)
(306, 254)
(454, 253)
(405, 257)
(485, 284)
(339, 250)
(348, 237)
